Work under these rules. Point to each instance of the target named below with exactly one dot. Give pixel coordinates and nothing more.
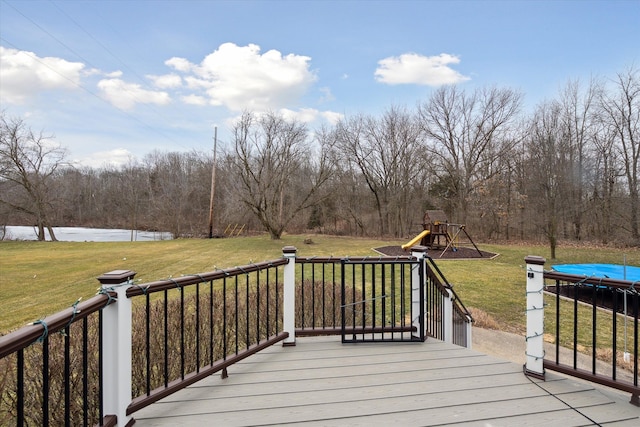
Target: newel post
(447, 314)
(289, 300)
(418, 299)
(116, 345)
(535, 316)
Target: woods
(567, 170)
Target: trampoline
(611, 271)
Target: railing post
(447, 314)
(289, 298)
(116, 346)
(535, 316)
(418, 300)
(469, 326)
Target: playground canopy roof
(613, 271)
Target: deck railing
(584, 340)
(132, 344)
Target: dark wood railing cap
(289, 250)
(116, 277)
(419, 248)
(534, 259)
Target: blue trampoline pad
(612, 271)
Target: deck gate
(379, 302)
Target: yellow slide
(415, 240)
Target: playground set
(439, 234)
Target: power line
(86, 61)
(36, 58)
(105, 48)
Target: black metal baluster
(45, 381)
(247, 310)
(20, 388)
(302, 302)
(594, 306)
(182, 332)
(166, 338)
(211, 323)
(373, 298)
(148, 343)
(224, 318)
(313, 296)
(258, 306)
(575, 327)
(557, 321)
(67, 376)
(614, 327)
(85, 336)
(324, 297)
(85, 370)
(198, 327)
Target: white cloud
(240, 77)
(116, 157)
(167, 81)
(310, 115)
(304, 115)
(332, 117)
(327, 96)
(179, 64)
(126, 95)
(23, 74)
(194, 100)
(411, 68)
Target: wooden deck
(323, 382)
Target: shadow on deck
(321, 381)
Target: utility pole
(213, 181)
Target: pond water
(83, 234)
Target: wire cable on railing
(544, 353)
(365, 300)
(142, 289)
(199, 276)
(45, 331)
(107, 291)
(73, 316)
(536, 335)
(226, 273)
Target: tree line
(568, 170)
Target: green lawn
(40, 278)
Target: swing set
(438, 233)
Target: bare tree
(577, 122)
(621, 109)
(28, 163)
(280, 174)
(388, 153)
(548, 151)
(465, 133)
(607, 172)
(178, 187)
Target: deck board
(321, 381)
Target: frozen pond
(82, 234)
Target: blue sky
(115, 80)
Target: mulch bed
(458, 253)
